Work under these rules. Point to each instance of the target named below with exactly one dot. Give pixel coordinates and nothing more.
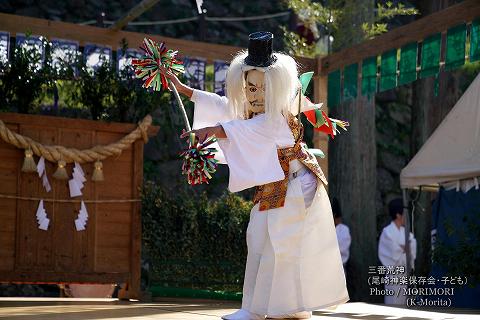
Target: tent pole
(406, 214)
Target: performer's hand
(169, 75)
(182, 88)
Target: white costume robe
(344, 241)
(391, 253)
(293, 261)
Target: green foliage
(470, 72)
(331, 17)
(70, 88)
(115, 97)
(312, 12)
(96, 90)
(192, 241)
(112, 95)
(296, 45)
(461, 259)
(23, 79)
(371, 30)
(209, 78)
(385, 12)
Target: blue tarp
(454, 215)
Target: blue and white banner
(219, 76)
(96, 55)
(195, 72)
(64, 54)
(124, 58)
(4, 47)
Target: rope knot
(54, 153)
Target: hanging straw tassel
(61, 173)
(29, 163)
(97, 171)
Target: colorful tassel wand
(199, 161)
(147, 68)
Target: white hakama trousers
(293, 261)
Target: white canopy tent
(450, 155)
(452, 152)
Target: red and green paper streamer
(318, 118)
(321, 122)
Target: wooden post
(320, 140)
(100, 20)
(353, 176)
(134, 13)
(202, 24)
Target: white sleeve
(210, 109)
(251, 151)
(389, 251)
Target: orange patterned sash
(272, 195)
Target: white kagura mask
(255, 90)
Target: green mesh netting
(388, 70)
(431, 56)
(350, 80)
(333, 91)
(455, 49)
(408, 63)
(369, 76)
(475, 41)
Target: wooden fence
(108, 250)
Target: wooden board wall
(109, 37)
(108, 251)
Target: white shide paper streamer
(76, 184)
(42, 219)
(42, 174)
(82, 217)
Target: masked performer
(293, 263)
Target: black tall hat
(260, 53)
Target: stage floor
(187, 309)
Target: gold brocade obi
(272, 195)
